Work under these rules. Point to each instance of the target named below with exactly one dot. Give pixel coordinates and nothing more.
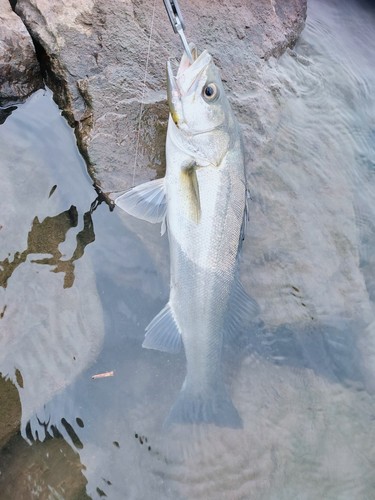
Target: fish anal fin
(163, 333)
(242, 310)
(146, 201)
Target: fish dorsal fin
(242, 310)
(163, 333)
(245, 220)
(146, 201)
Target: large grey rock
(19, 68)
(96, 56)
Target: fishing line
(143, 93)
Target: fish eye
(210, 92)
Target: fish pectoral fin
(146, 201)
(242, 310)
(189, 181)
(163, 333)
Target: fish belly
(203, 261)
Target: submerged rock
(10, 410)
(96, 55)
(20, 74)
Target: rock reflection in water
(50, 313)
(5, 112)
(45, 238)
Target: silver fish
(201, 201)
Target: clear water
(79, 283)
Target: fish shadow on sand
(330, 352)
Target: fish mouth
(173, 95)
(188, 74)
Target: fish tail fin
(198, 408)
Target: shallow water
(79, 284)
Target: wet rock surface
(19, 68)
(95, 56)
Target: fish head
(197, 101)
